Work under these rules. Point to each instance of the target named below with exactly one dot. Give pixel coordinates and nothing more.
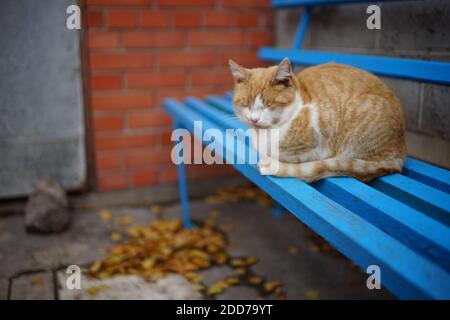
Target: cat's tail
(315, 170)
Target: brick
(144, 177)
(108, 122)
(186, 3)
(257, 39)
(219, 19)
(121, 19)
(105, 82)
(122, 101)
(139, 158)
(107, 161)
(120, 60)
(268, 19)
(162, 39)
(245, 4)
(110, 181)
(155, 79)
(181, 93)
(168, 174)
(164, 138)
(94, 18)
(148, 119)
(211, 77)
(215, 39)
(231, 19)
(187, 19)
(118, 141)
(250, 20)
(101, 39)
(247, 59)
(153, 19)
(186, 59)
(119, 2)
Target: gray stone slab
(419, 25)
(4, 286)
(436, 111)
(409, 94)
(216, 274)
(20, 251)
(128, 287)
(330, 26)
(42, 122)
(35, 286)
(238, 293)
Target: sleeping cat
(333, 120)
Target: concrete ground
(32, 266)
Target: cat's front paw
(268, 166)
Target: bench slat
(417, 230)
(419, 196)
(229, 95)
(428, 174)
(416, 224)
(431, 71)
(221, 103)
(352, 235)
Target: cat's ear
(239, 73)
(284, 71)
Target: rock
(47, 209)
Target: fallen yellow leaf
(255, 280)
(312, 294)
(37, 281)
(105, 215)
(115, 236)
(271, 285)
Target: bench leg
(183, 190)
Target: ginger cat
(333, 120)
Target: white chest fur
(263, 141)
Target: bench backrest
(413, 69)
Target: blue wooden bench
(399, 222)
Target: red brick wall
(142, 51)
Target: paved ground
(32, 265)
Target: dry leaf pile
(164, 246)
(160, 248)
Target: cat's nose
(254, 119)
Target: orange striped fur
(334, 120)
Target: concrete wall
(410, 29)
(41, 99)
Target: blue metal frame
(183, 187)
(301, 30)
(400, 222)
(364, 223)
